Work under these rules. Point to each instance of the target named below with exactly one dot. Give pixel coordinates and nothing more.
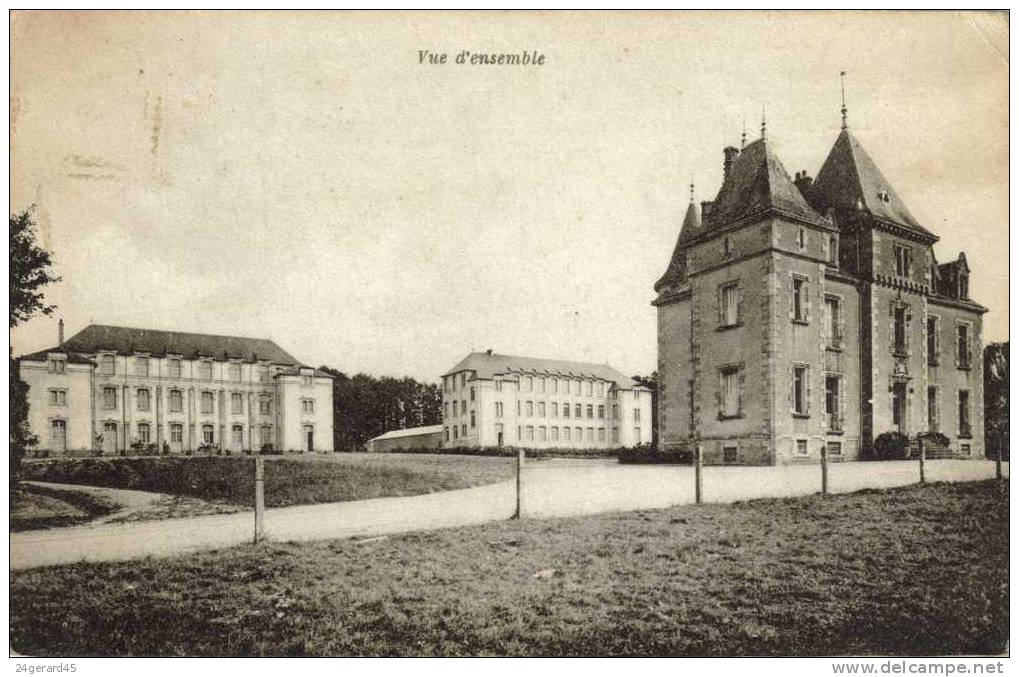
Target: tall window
(207, 434)
(176, 401)
(144, 433)
(498, 409)
(541, 384)
(965, 430)
(233, 372)
(963, 285)
(566, 409)
(174, 368)
(555, 410)
(141, 366)
(903, 260)
(238, 434)
(601, 411)
(528, 384)
(899, 322)
(833, 310)
(58, 434)
(108, 365)
(58, 397)
(307, 406)
(529, 408)
(933, 422)
(498, 385)
(729, 388)
(590, 411)
(176, 433)
(729, 299)
(800, 299)
(456, 407)
(588, 386)
(205, 370)
(109, 398)
(143, 399)
(800, 395)
(933, 340)
(236, 403)
(474, 420)
(578, 410)
(554, 386)
(207, 402)
(962, 345)
(472, 393)
(832, 395)
(541, 409)
(801, 239)
(833, 252)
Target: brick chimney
(803, 181)
(60, 332)
(731, 153)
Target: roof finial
(764, 122)
(691, 189)
(842, 81)
(743, 138)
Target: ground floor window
(932, 409)
(965, 449)
(834, 448)
(265, 434)
(566, 434)
(636, 436)
(964, 422)
(238, 434)
(730, 453)
(555, 433)
(207, 434)
(801, 447)
(176, 433)
(144, 433)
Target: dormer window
(58, 365)
(963, 285)
(107, 365)
(884, 196)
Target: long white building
(491, 400)
(116, 389)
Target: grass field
(44, 508)
(917, 570)
(288, 481)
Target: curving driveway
(551, 489)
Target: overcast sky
(302, 177)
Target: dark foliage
(651, 454)
(365, 407)
(30, 270)
(891, 446)
(20, 436)
(996, 399)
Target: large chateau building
(114, 389)
(798, 313)
(491, 400)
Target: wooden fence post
(259, 499)
(997, 462)
(698, 494)
(520, 483)
(824, 468)
(923, 458)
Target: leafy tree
(30, 272)
(996, 398)
(365, 406)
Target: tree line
(366, 406)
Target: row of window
(831, 247)
(143, 433)
(532, 409)
(542, 433)
(552, 385)
(207, 401)
(108, 367)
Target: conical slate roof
(850, 181)
(691, 226)
(757, 184)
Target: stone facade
(491, 400)
(114, 389)
(794, 316)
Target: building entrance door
(309, 438)
(109, 437)
(899, 406)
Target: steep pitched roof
(691, 225)
(757, 184)
(43, 355)
(486, 366)
(127, 340)
(849, 180)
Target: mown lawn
(45, 508)
(288, 481)
(917, 570)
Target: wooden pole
(520, 483)
(259, 499)
(923, 458)
(824, 468)
(997, 462)
(698, 494)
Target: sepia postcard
(520, 333)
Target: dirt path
(130, 501)
(550, 491)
